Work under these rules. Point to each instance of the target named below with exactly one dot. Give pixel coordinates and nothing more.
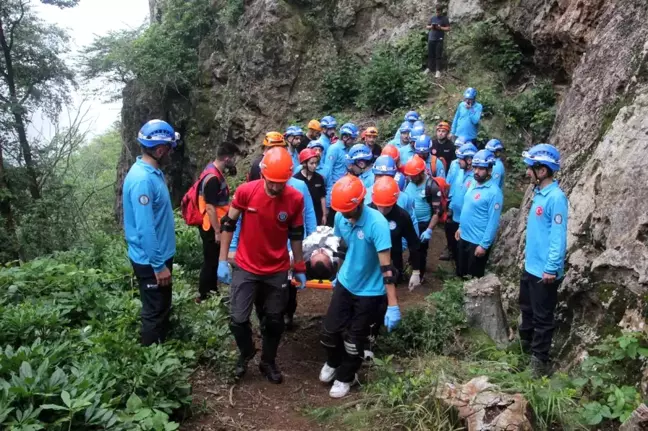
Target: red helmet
(277, 165)
(391, 151)
(414, 166)
(385, 192)
(347, 194)
(307, 154)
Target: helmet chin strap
(535, 170)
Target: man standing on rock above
(437, 27)
(312, 134)
(272, 139)
(336, 163)
(480, 217)
(466, 119)
(149, 228)
(364, 288)
(272, 215)
(544, 252)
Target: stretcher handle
(315, 284)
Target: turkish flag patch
(477, 196)
(539, 211)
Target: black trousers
(468, 263)
(425, 245)
(292, 301)
(208, 281)
(347, 326)
(451, 228)
(435, 55)
(330, 217)
(156, 304)
(537, 305)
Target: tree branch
(13, 26)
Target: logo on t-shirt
(144, 200)
(497, 206)
(539, 211)
(392, 225)
(468, 184)
(558, 219)
(282, 216)
(360, 234)
(477, 196)
(496, 175)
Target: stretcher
(316, 284)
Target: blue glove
(427, 235)
(301, 277)
(392, 317)
(224, 274)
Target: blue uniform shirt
(422, 208)
(498, 173)
(336, 167)
(360, 273)
(546, 234)
(368, 178)
(463, 182)
(406, 153)
(452, 174)
(466, 121)
(326, 143)
(480, 214)
(148, 216)
(295, 158)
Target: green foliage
(340, 85)
(71, 358)
(532, 111)
(232, 11)
(430, 328)
(487, 44)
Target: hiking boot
(446, 256)
(271, 372)
(327, 374)
(242, 364)
(540, 368)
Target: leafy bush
(341, 84)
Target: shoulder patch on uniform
(558, 219)
(144, 200)
(497, 206)
(496, 175)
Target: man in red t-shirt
(272, 215)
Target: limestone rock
(637, 421)
(483, 305)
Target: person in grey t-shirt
(437, 27)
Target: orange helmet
(391, 151)
(274, 139)
(415, 166)
(307, 154)
(315, 125)
(347, 194)
(443, 125)
(277, 165)
(371, 131)
(385, 192)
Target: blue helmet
(294, 131)
(315, 144)
(359, 152)
(494, 145)
(350, 129)
(418, 124)
(543, 154)
(385, 165)
(405, 127)
(415, 133)
(328, 122)
(460, 141)
(157, 132)
(412, 116)
(422, 144)
(470, 93)
(466, 150)
(483, 159)
(401, 180)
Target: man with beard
(433, 165)
(442, 147)
(467, 116)
(402, 136)
(312, 134)
(272, 216)
(328, 125)
(480, 215)
(271, 139)
(359, 161)
(293, 138)
(364, 287)
(408, 151)
(544, 253)
(495, 146)
(370, 139)
(336, 162)
(149, 228)
(213, 202)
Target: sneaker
(327, 374)
(368, 356)
(242, 364)
(438, 74)
(426, 71)
(271, 372)
(340, 389)
(540, 368)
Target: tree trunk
(483, 305)
(6, 213)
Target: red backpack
(189, 205)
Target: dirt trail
(257, 404)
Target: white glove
(415, 280)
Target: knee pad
(354, 346)
(329, 339)
(273, 325)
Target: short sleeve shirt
(440, 21)
(360, 273)
(264, 228)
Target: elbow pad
(227, 224)
(296, 233)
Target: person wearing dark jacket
(437, 26)
(442, 147)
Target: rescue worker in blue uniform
(480, 217)
(422, 147)
(328, 125)
(149, 228)
(467, 116)
(336, 162)
(293, 137)
(544, 263)
(410, 118)
(359, 163)
(365, 288)
(319, 149)
(495, 146)
(461, 182)
(450, 226)
(408, 151)
(402, 135)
